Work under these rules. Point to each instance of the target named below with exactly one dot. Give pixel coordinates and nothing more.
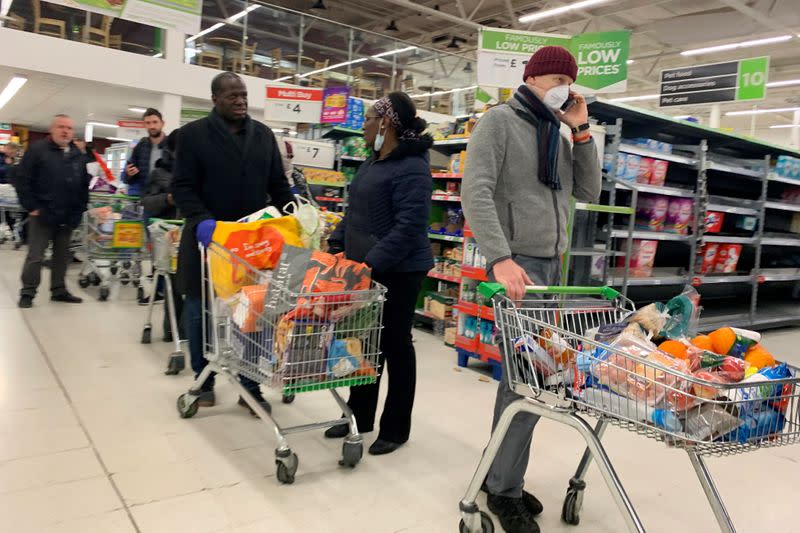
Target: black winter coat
(55, 182)
(386, 225)
(218, 176)
(159, 184)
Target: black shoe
(382, 447)
(146, 299)
(337, 432)
(168, 336)
(513, 515)
(66, 298)
(532, 503)
(260, 399)
(25, 301)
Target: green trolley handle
(490, 290)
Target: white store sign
(293, 104)
(317, 154)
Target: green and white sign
(190, 115)
(181, 15)
(601, 57)
(732, 81)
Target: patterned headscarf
(383, 108)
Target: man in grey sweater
(519, 178)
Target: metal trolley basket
(113, 238)
(293, 342)
(704, 418)
(165, 238)
(11, 214)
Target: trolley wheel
(104, 292)
(83, 282)
(94, 279)
(287, 468)
(487, 526)
(176, 363)
(187, 405)
(126, 265)
(147, 333)
(17, 245)
(288, 398)
(571, 511)
(114, 270)
(352, 452)
(140, 293)
(125, 278)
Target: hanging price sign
(290, 104)
(317, 154)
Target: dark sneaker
(532, 503)
(146, 299)
(383, 447)
(260, 399)
(337, 432)
(168, 336)
(66, 298)
(513, 515)
(206, 398)
(25, 301)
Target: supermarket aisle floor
(90, 442)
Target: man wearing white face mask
(519, 178)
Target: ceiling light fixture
(137, 109)
(392, 26)
(453, 45)
(733, 46)
(285, 78)
(11, 89)
(761, 111)
(630, 62)
(393, 52)
(468, 67)
(319, 4)
(681, 117)
(120, 139)
(784, 83)
(160, 54)
(785, 126)
(546, 13)
(437, 93)
(635, 98)
(240, 14)
(206, 31)
(337, 65)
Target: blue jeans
(193, 324)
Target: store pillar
(714, 118)
(171, 111)
(174, 45)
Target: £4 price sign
(291, 104)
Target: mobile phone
(569, 103)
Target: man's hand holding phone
(131, 170)
(576, 113)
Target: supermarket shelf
(445, 198)
(448, 238)
(779, 274)
(781, 206)
(781, 179)
(739, 171)
(667, 191)
(638, 150)
(477, 274)
(591, 252)
(340, 133)
(438, 275)
(329, 199)
(646, 282)
(649, 235)
(447, 175)
(721, 278)
(466, 308)
(781, 241)
(424, 315)
(325, 184)
(729, 240)
(732, 209)
(452, 142)
(353, 158)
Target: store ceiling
(661, 29)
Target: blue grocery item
(205, 230)
(756, 426)
(340, 361)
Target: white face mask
(379, 139)
(555, 97)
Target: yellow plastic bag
(258, 243)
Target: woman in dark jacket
(386, 227)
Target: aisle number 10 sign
(292, 104)
(733, 81)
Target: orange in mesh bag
(258, 243)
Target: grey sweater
(508, 209)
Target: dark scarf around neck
(547, 135)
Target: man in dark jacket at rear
(53, 186)
(227, 166)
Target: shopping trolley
(294, 342)
(165, 237)
(704, 418)
(10, 210)
(112, 234)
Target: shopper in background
(8, 161)
(145, 154)
(227, 167)
(53, 185)
(297, 180)
(519, 178)
(386, 227)
(158, 202)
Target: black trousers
(39, 236)
(398, 360)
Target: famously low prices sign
(741, 80)
(291, 104)
(601, 57)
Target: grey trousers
(39, 236)
(507, 474)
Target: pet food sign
(601, 57)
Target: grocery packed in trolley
(572, 351)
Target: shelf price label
(317, 154)
(292, 104)
(742, 80)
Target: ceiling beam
(435, 13)
(759, 17)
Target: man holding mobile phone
(519, 178)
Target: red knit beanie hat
(551, 60)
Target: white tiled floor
(90, 442)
